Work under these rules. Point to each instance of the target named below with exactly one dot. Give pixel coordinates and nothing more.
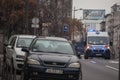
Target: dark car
(51, 58)
(79, 47)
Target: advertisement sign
(93, 14)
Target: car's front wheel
(23, 77)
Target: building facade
(115, 10)
(112, 23)
(102, 26)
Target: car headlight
(74, 65)
(20, 56)
(32, 61)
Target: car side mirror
(25, 49)
(5, 44)
(9, 47)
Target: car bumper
(18, 64)
(38, 72)
(97, 52)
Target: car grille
(43, 76)
(98, 51)
(20, 65)
(57, 64)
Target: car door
(10, 49)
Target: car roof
(25, 36)
(52, 38)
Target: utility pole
(36, 15)
(62, 17)
(26, 16)
(73, 22)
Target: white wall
(92, 24)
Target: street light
(74, 19)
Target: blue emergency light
(91, 30)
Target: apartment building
(112, 24)
(115, 10)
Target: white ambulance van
(97, 44)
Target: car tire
(8, 73)
(23, 77)
(3, 72)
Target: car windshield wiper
(56, 52)
(39, 51)
(52, 52)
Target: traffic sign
(35, 26)
(65, 28)
(35, 20)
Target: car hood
(54, 57)
(19, 51)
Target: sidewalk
(115, 59)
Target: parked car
(79, 47)
(13, 54)
(51, 58)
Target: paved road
(100, 69)
(97, 69)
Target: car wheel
(11, 76)
(23, 77)
(14, 74)
(8, 72)
(3, 72)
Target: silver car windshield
(24, 42)
(52, 46)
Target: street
(59, 39)
(98, 69)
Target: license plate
(56, 71)
(98, 54)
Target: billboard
(93, 14)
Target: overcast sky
(93, 4)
